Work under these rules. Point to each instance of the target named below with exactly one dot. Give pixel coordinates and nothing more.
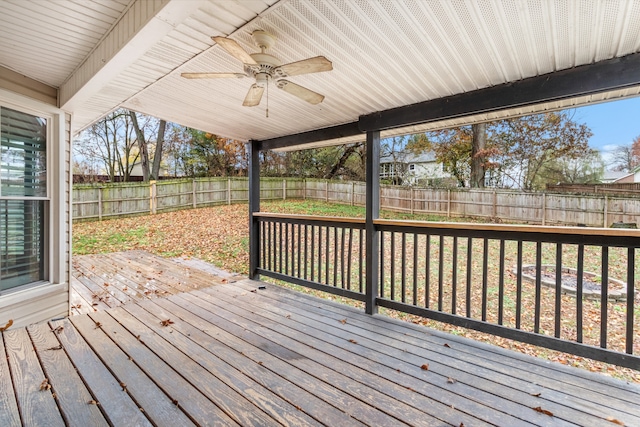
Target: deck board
(69, 388)
(234, 354)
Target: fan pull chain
(267, 97)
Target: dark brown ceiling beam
(612, 74)
(324, 134)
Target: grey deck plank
(9, 415)
(278, 361)
(37, 406)
(117, 405)
(386, 394)
(200, 400)
(80, 288)
(234, 403)
(158, 406)
(192, 327)
(264, 399)
(561, 397)
(92, 271)
(71, 393)
(483, 399)
(585, 386)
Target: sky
(613, 123)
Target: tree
(108, 144)
(627, 157)
(143, 143)
(588, 169)
(514, 150)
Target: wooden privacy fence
(104, 201)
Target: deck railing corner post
(372, 213)
(254, 206)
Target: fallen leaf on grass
(615, 421)
(167, 322)
(425, 367)
(7, 326)
(543, 411)
(44, 385)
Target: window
(412, 167)
(23, 198)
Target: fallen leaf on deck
(58, 330)
(425, 367)
(353, 341)
(451, 380)
(92, 402)
(58, 347)
(254, 290)
(167, 322)
(44, 385)
(543, 411)
(447, 345)
(288, 316)
(615, 421)
(7, 326)
(536, 394)
(123, 385)
(343, 321)
(98, 324)
(174, 401)
(224, 281)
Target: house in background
(409, 168)
(621, 177)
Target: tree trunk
(477, 157)
(157, 156)
(142, 145)
(343, 159)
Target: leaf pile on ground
(219, 235)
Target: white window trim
(56, 231)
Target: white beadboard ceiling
(385, 54)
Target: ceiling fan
(263, 67)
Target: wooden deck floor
(236, 354)
(109, 280)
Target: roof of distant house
(409, 157)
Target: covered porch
(252, 353)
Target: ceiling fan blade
(212, 75)
(235, 50)
(301, 92)
(306, 66)
(253, 96)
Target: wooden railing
(498, 279)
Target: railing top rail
(342, 219)
(582, 231)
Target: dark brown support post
(254, 206)
(373, 212)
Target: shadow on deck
(238, 354)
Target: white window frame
(55, 223)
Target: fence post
(495, 204)
(284, 188)
(544, 208)
(353, 190)
(411, 200)
(606, 210)
(228, 191)
(448, 203)
(100, 203)
(304, 189)
(326, 191)
(193, 193)
(152, 197)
